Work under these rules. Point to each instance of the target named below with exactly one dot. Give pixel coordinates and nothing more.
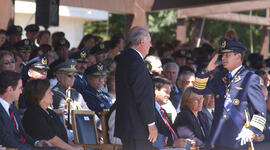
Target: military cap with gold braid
(14, 29)
(67, 66)
(39, 62)
(228, 46)
(60, 43)
(98, 69)
(25, 44)
(99, 49)
(200, 84)
(80, 56)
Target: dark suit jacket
(209, 116)
(187, 126)
(9, 135)
(134, 97)
(163, 128)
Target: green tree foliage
(105, 29)
(162, 25)
(215, 30)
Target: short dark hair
(8, 78)
(34, 91)
(160, 81)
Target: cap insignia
(83, 54)
(223, 45)
(101, 46)
(99, 67)
(62, 42)
(26, 42)
(44, 61)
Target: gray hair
(185, 73)
(152, 58)
(171, 64)
(135, 35)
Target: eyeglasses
(71, 75)
(6, 62)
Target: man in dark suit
(237, 91)
(135, 110)
(164, 124)
(209, 106)
(12, 132)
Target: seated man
(12, 132)
(36, 68)
(95, 98)
(65, 74)
(82, 59)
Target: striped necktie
(11, 115)
(162, 111)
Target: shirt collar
(158, 108)
(235, 70)
(138, 52)
(5, 104)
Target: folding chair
(104, 124)
(85, 130)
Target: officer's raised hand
(212, 64)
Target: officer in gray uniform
(65, 96)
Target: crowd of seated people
(87, 72)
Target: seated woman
(191, 122)
(41, 122)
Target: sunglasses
(6, 62)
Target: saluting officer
(96, 99)
(63, 93)
(236, 90)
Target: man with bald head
(135, 109)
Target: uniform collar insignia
(224, 79)
(238, 78)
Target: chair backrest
(84, 127)
(60, 114)
(104, 125)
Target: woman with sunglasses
(7, 61)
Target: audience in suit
(40, 121)
(163, 122)
(170, 71)
(135, 111)
(191, 122)
(156, 69)
(209, 106)
(12, 132)
(185, 79)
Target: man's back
(134, 97)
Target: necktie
(212, 111)
(11, 115)
(167, 123)
(230, 76)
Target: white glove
(245, 135)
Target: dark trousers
(135, 144)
